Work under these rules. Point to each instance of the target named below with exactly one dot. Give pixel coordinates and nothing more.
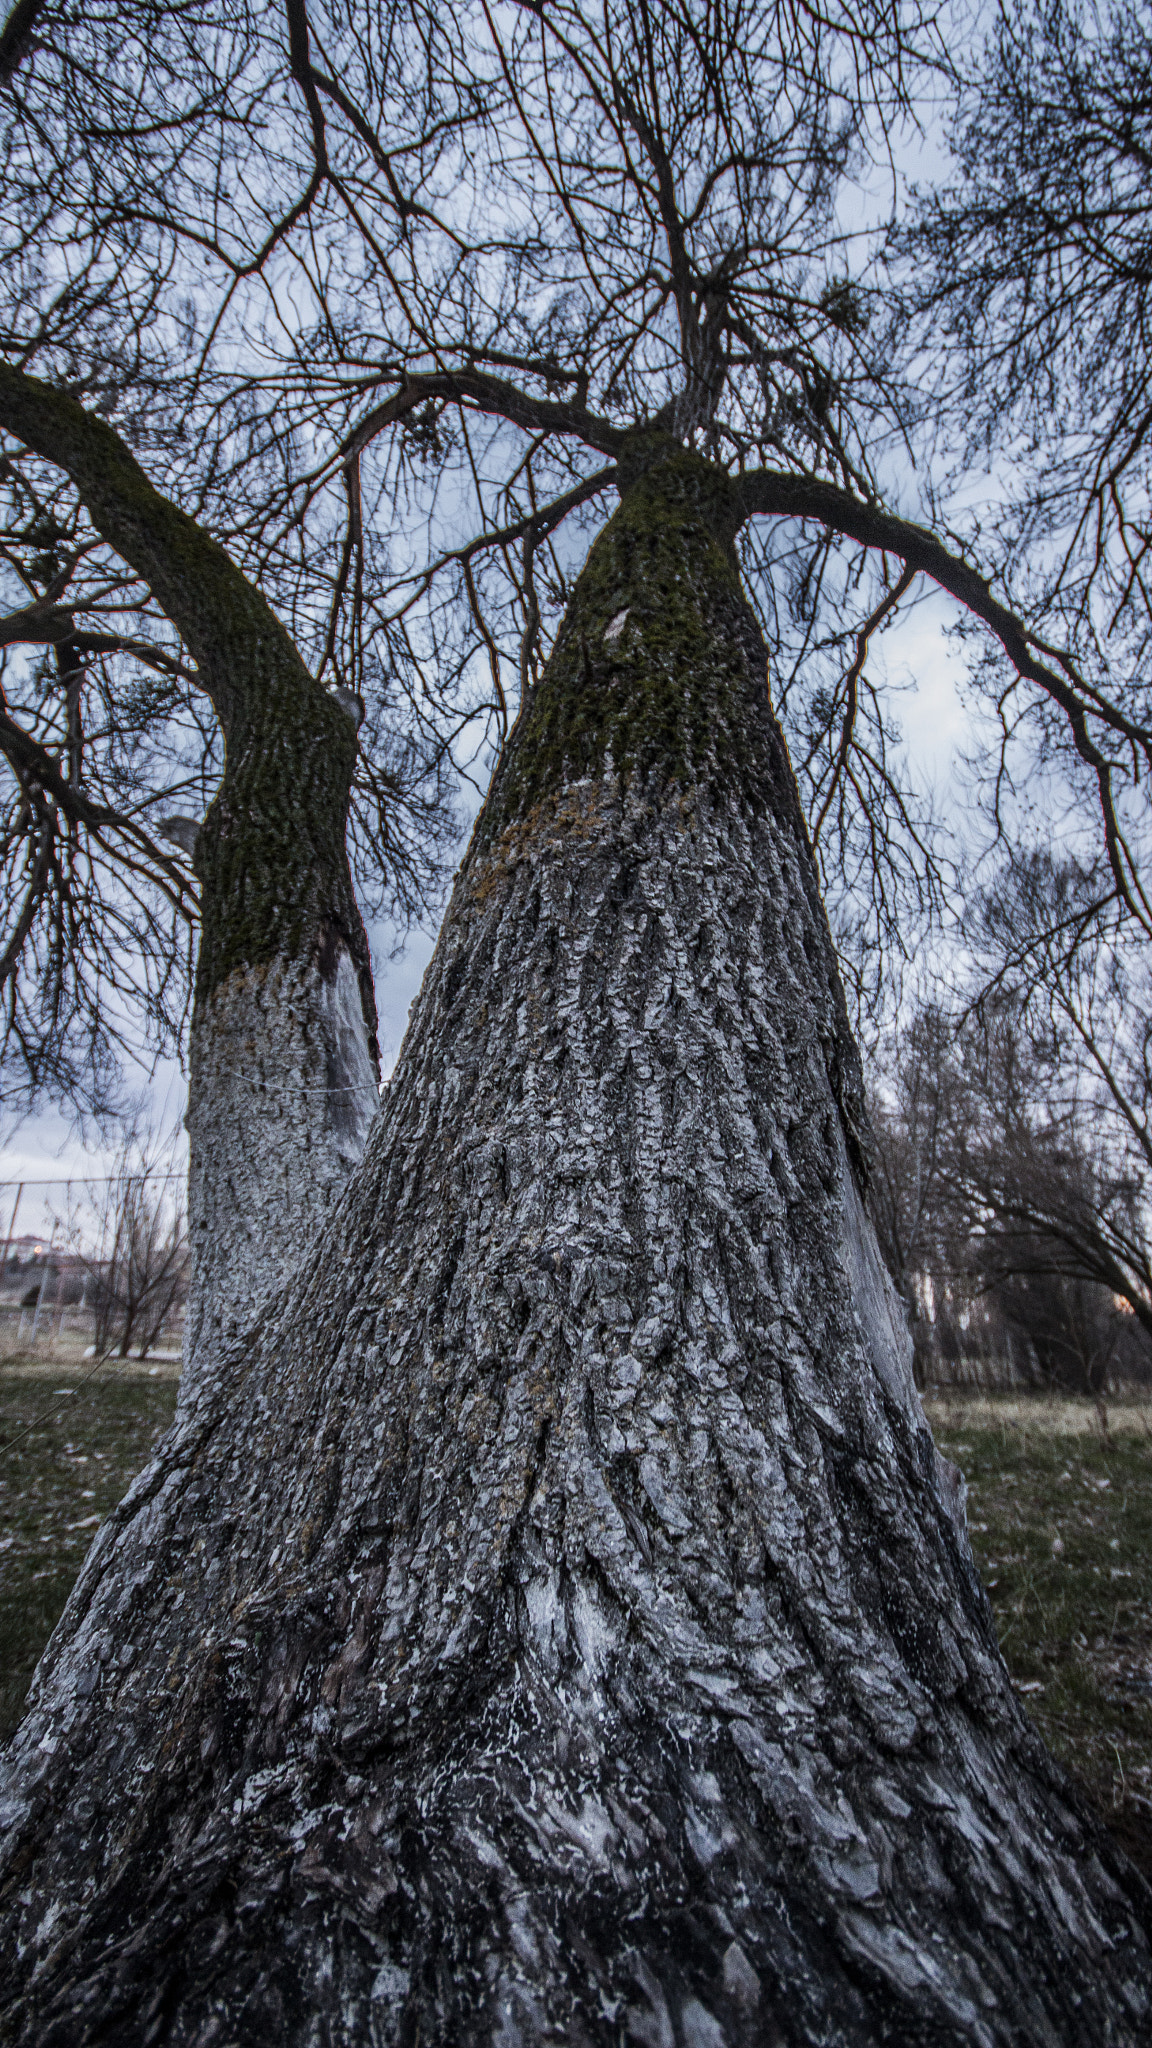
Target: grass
(71, 1440)
(1059, 1509)
(1060, 1516)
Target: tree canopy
(381, 299)
(1035, 258)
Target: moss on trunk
(659, 674)
(649, 672)
(271, 853)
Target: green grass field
(69, 1446)
(1060, 1514)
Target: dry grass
(948, 1409)
(68, 1345)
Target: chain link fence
(94, 1266)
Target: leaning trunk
(561, 1627)
(283, 1079)
(283, 1068)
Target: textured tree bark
(559, 1627)
(283, 1089)
(283, 1058)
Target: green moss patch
(656, 667)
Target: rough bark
(282, 1094)
(283, 1056)
(559, 1626)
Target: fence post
(43, 1285)
(11, 1226)
(8, 1246)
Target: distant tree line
(1011, 1108)
(1014, 1148)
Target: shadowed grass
(1060, 1515)
(69, 1452)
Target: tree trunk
(284, 1068)
(284, 1065)
(561, 1628)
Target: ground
(71, 1439)
(1060, 1515)
(1059, 1507)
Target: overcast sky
(933, 723)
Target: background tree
(1012, 1140)
(135, 1243)
(1058, 1062)
(1032, 258)
(284, 1064)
